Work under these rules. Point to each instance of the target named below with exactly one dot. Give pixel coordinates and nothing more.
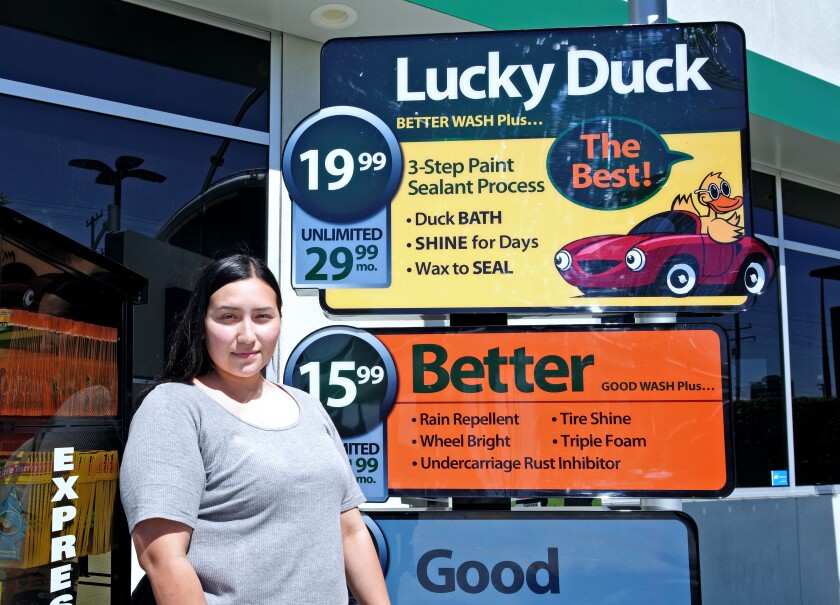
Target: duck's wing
(685, 203)
(726, 231)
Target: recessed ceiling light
(333, 16)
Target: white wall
(801, 33)
(768, 551)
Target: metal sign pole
(645, 12)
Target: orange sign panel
(623, 411)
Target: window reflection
(38, 180)
(814, 321)
(61, 312)
(811, 214)
(763, 207)
(191, 69)
(811, 330)
(757, 393)
(182, 197)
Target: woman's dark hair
(188, 355)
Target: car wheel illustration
(752, 279)
(679, 277)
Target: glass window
(760, 437)
(814, 323)
(158, 200)
(62, 359)
(811, 214)
(103, 49)
(72, 170)
(67, 168)
(763, 207)
(756, 390)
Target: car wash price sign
(599, 168)
(623, 411)
(353, 375)
(342, 167)
(533, 557)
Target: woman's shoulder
(171, 397)
(169, 389)
(169, 407)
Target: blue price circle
(340, 361)
(342, 164)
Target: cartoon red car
(665, 255)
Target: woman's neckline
(220, 405)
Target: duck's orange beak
(724, 204)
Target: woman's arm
(162, 553)
(361, 565)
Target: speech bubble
(610, 163)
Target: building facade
(152, 132)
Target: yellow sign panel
(469, 240)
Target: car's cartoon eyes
(666, 254)
(562, 260)
(635, 259)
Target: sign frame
(338, 299)
(648, 411)
(465, 521)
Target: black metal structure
(65, 382)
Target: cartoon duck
(717, 209)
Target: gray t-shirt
(264, 504)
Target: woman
(238, 490)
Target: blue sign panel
(341, 198)
(562, 558)
(779, 479)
